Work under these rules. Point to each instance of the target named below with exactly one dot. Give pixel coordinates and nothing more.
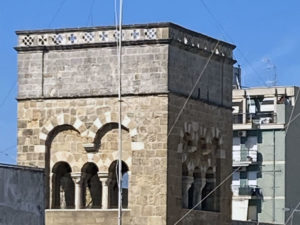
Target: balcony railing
(248, 190)
(254, 118)
(244, 155)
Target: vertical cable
(274, 177)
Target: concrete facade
(68, 115)
(265, 145)
(21, 195)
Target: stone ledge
(86, 210)
(89, 45)
(108, 36)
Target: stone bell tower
(67, 123)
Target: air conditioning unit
(242, 133)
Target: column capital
(76, 177)
(104, 178)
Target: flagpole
(120, 115)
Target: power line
(57, 12)
(90, 16)
(295, 117)
(8, 93)
(292, 113)
(222, 29)
(8, 148)
(290, 216)
(7, 155)
(4, 152)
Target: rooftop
(266, 91)
(17, 167)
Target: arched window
(194, 192)
(62, 186)
(197, 188)
(217, 172)
(91, 186)
(191, 196)
(187, 188)
(185, 171)
(113, 185)
(209, 204)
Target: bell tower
(176, 123)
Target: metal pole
(120, 117)
(274, 176)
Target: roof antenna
(271, 67)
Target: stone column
(50, 191)
(186, 184)
(104, 181)
(78, 182)
(198, 192)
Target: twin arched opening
(197, 191)
(200, 177)
(88, 189)
(85, 187)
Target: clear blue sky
(267, 34)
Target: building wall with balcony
(272, 157)
(260, 182)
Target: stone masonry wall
(57, 73)
(185, 68)
(146, 119)
(200, 120)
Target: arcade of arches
(200, 172)
(88, 189)
(80, 179)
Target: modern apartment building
(266, 149)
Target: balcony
(248, 121)
(246, 190)
(244, 157)
(254, 118)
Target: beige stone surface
(63, 137)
